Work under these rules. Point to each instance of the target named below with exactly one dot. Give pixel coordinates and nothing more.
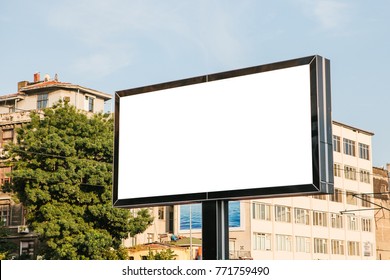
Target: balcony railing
(240, 255)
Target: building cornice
(353, 128)
(33, 88)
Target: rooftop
(353, 128)
(11, 96)
(26, 87)
(33, 87)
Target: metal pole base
(215, 230)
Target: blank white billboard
(246, 133)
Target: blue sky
(119, 44)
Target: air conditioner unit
(23, 229)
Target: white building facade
(338, 226)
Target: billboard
(261, 131)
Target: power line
(57, 156)
(50, 180)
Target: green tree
(6, 247)
(167, 254)
(62, 173)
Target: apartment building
(15, 110)
(337, 226)
(382, 211)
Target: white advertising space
(251, 131)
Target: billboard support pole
(215, 230)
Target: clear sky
(113, 45)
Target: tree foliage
(6, 246)
(167, 254)
(62, 173)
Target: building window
(337, 247)
(349, 147)
(5, 181)
(282, 214)
(42, 100)
(352, 223)
(261, 241)
(336, 220)
(320, 246)
(302, 244)
(283, 242)
(337, 196)
(367, 249)
(320, 219)
(366, 200)
(161, 213)
(261, 211)
(89, 103)
(320, 196)
(7, 137)
(150, 237)
(364, 176)
(353, 248)
(4, 214)
(337, 170)
(336, 143)
(350, 172)
(302, 216)
(351, 198)
(27, 248)
(366, 224)
(364, 151)
(131, 241)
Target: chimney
(37, 77)
(22, 84)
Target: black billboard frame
(321, 136)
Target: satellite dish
(47, 77)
